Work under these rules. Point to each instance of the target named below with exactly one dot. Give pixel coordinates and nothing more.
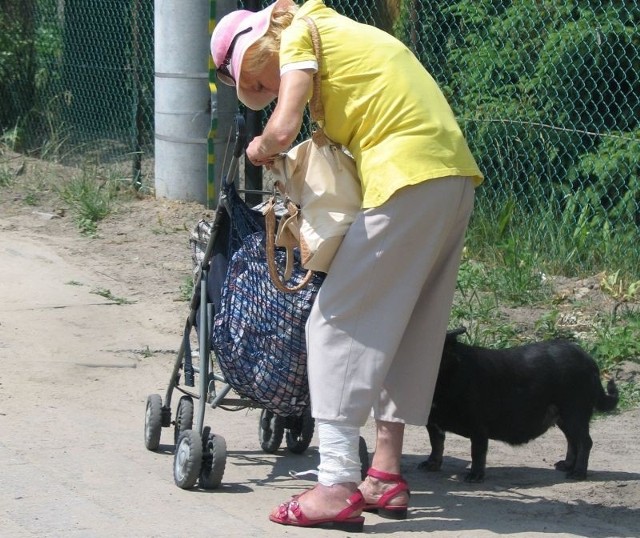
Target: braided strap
(315, 104)
(270, 223)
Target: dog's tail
(607, 401)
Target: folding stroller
(200, 454)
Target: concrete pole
(182, 98)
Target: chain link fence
(547, 93)
(77, 81)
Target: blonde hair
(258, 54)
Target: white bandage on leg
(339, 457)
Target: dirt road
(90, 326)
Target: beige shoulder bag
(321, 191)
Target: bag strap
(315, 104)
(270, 222)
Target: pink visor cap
(235, 33)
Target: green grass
(616, 340)
(91, 197)
(571, 239)
(186, 288)
(90, 200)
(162, 228)
(6, 176)
(103, 292)
(629, 395)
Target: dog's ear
(453, 334)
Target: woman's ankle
(373, 489)
(342, 490)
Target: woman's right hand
(257, 154)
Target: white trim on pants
(376, 331)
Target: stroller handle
(240, 135)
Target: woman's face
(262, 86)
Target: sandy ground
(77, 367)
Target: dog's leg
(568, 463)
(479, 447)
(579, 443)
(579, 471)
(434, 461)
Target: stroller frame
(200, 455)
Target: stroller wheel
(214, 459)
(187, 459)
(270, 431)
(300, 434)
(153, 422)
(363, 452)
(184, 417)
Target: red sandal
(344, 521)
(382, 506)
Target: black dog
(515, 395)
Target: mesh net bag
(259, 332)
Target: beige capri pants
(376, 331)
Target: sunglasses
(223, 73)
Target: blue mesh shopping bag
(258, 334)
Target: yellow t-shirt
(380, 103)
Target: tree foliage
(30, 44)
(548, 92)
(17, 59)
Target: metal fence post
(253, 174)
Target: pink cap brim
(224, 32)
